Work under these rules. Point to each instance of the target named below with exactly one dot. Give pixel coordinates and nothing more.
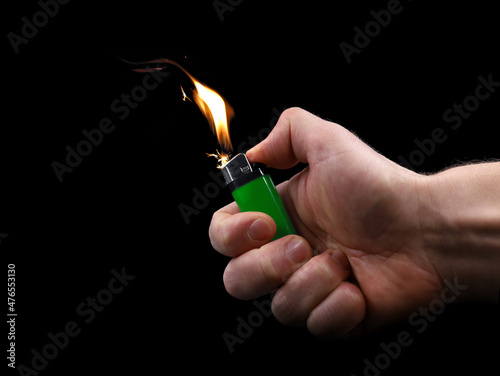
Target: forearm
(460, 220)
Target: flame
(222, 158)
(216, 110)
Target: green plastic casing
(261, 195)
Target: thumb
(298, 136)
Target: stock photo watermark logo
(246, 327)
(224, 6)
(201, 197)
(3, 236)
(453, 117)
(363, 37)
(86, 311)
(94, 137)
(30, 27)
(419, 320)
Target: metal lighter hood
(238, 172)
(236, 167)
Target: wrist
(459, 213)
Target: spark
(222, 158)
(184, 96)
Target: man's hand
(363, 257)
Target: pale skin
(375, 240)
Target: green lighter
(253, 190)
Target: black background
(119, 207)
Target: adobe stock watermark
(94, 137)
(245, 327)
(363, 37)
(224, 6)
(256, 318)
(453, 117)
(419, 320)
(201, 197)
(86, 312)
(30, 27)
(3, 236)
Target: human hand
(361, 260)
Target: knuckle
(232, 282)
(238, 283)
(291, 304)
(266, 265)
(292, 112)
(338, 314)
(318, 323)
(218, 237)
(283, 308)
(324, 267)
(356, 301)
(213, 231)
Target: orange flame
(216, 110)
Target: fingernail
(341, 259)
(260, 229)
(297, 250)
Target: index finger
(233, 233)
